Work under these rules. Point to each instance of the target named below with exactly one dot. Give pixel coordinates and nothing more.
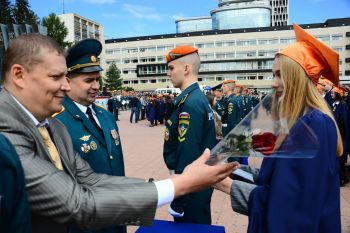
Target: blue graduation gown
(300, 195)
(14, 208)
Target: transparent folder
(262, 134)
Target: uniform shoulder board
(183, 100)
(57, 113)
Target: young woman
(297, 194)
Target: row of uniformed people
(339, 102)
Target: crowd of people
(62, 159)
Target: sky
(128, 18)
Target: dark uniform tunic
(219, 107)
(231, 116)
(188, 132)
(102, 152)
(14, 208)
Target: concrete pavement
(143, 146)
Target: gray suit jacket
(77, 195)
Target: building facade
(80, 28)
(193, 24)
(234, 14)
(279, 12)
(245, 55)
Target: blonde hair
(299, 93)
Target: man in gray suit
(62, 189)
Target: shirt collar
(83, 108)
(35, 121)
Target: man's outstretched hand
(198, 175)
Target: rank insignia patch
(166, 134)
(230, 108)
(184, 122)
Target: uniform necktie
(51, 147)
(92, 119)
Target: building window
(324, 38)
(337, 37)
(246, 42)
(129, 50)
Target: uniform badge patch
(230, 108)
(116, 141)
(85, 148)
(184, 122)
(93, 145)
(166, 134)
(85, 138)
(114, 134)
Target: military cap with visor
(82, 57)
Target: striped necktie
(51, 147)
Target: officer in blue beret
(189, 130)
(93, 129)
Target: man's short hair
(25, 51)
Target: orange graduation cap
(314, 56)
(180, 51)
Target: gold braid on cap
(78, 66)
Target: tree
(23, 14)
(113, 80)
(56, 29)
(6, 16)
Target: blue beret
(82, 57)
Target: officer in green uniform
(241, 104)
(231, 116)
(189, 130)
(232, 112)
(219, 101)
(93, 129)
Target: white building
(244, 55)
(80, 28)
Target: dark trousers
(116, 114)
(134, 110)
(143, 114)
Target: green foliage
(113, 79)
(6, 16)
(128, 89)
(23, 14)
(56, 29)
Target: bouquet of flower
(262, 134)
